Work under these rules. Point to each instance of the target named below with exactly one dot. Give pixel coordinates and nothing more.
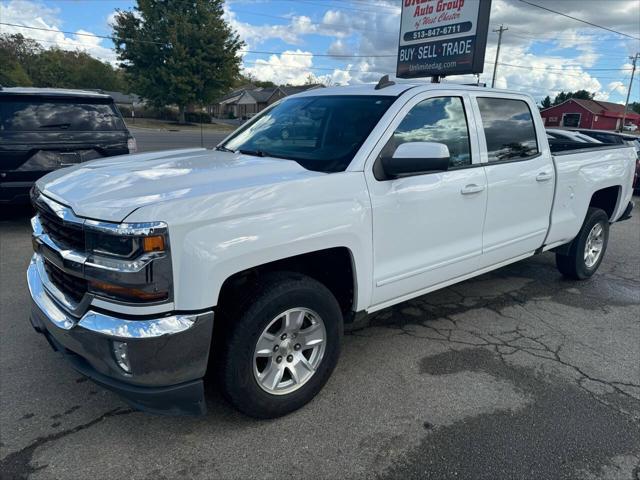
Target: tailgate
(26, 156)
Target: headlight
(128, 262)
(121, 246)
(112, 245)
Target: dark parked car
(45, 129)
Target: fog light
(121, 353)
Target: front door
(427, 229)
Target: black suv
(43, 129)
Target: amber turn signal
(153, 244)
(127, 293)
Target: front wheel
(587, 249)
(281, 347)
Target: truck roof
(396, 89)
(51, 92)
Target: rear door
(427, 228)
(520, 177)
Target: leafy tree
(634, 107)
(250, 79)
(177, 52)
(580, 94)
(16, 57)
(25, 63)
(12, 74)
(75, 69)
(546, 103)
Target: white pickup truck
(325, 207)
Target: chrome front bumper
(168, 354)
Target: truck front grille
(66, 234)
(72, 286)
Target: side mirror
(415, 158)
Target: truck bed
(580, 171)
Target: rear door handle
(543, 177)
(470, 189)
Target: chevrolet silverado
(245, 263)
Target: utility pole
(634, 59)
(495, 65)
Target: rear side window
(508, 128)
(26, 115)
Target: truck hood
(113, 188)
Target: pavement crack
(18, 464)
(520, 341)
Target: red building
(592, 114)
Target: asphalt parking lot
(518, 374)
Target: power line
(311, 54)
(307, 54)
(540, 38)
(329, 25)
(599, 36)
(107, 37)
(342, 7)
(568, 66)
(579, 20)
(164, 43)
(326, 69)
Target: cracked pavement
(515, 374)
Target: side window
(440, 120)
(508, 128)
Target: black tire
(277, 293)
(572, 264)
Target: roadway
(151, 140)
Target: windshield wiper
(56, 125)
(255, 153)
(222, 148)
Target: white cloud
(619, 87)
(283, 69)
(111, 18)
(35, 14)
(291, 32)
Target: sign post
(442, 37)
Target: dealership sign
(442, 37)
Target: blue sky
(543, 52)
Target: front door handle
(543, 177)
(472, 188)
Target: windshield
(321, 133)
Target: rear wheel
(281, 345)
(587, 249)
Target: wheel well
(606, 199)
(332, 267)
